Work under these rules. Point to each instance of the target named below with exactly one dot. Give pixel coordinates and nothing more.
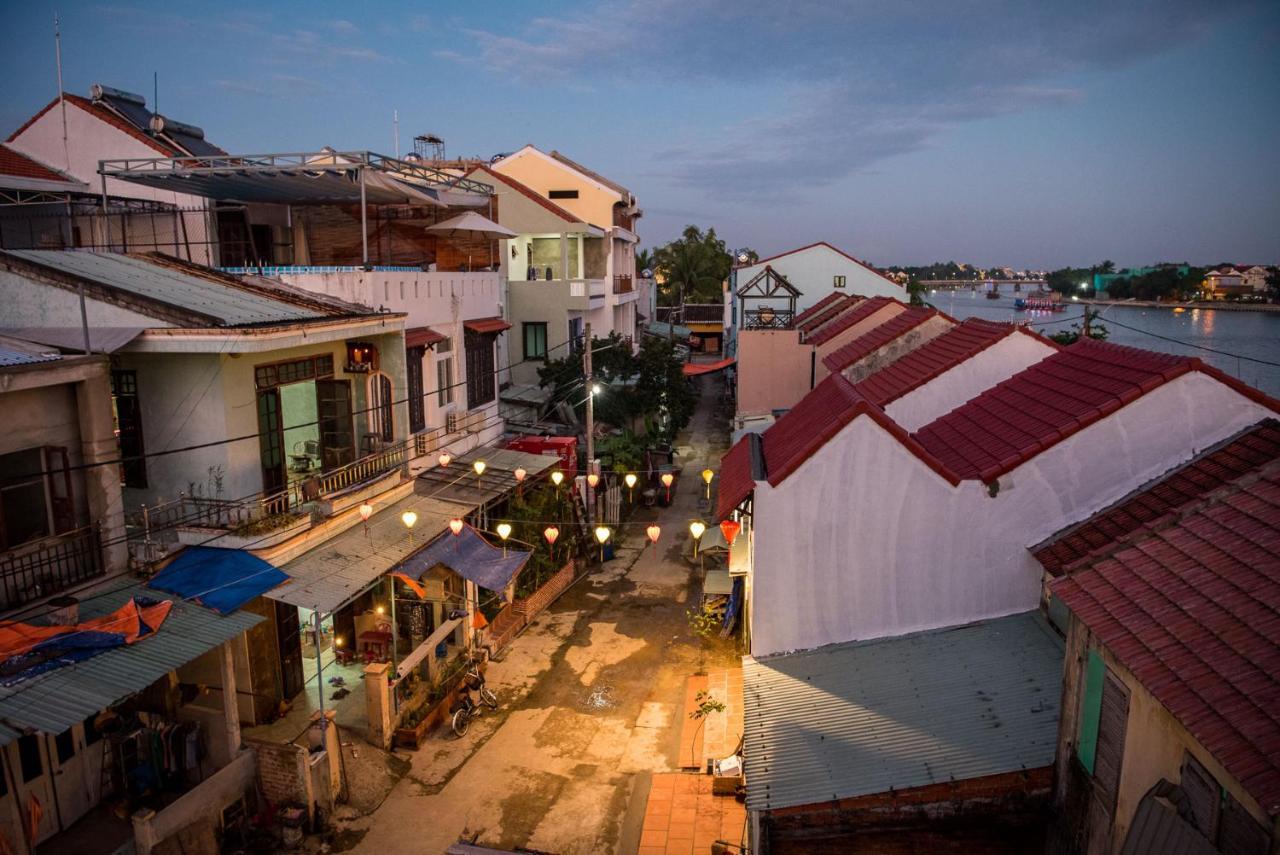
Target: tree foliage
(647, 389)
(693, 267)
(1071, 336)
(1165, 282)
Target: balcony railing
(623, 285)
(49, 565)
(364, 469)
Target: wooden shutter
(1112, 721)
(417, 406)
(1204, 796)
(1240, 833)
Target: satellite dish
(646, 274)
(743, 258)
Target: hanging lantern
(602, 533)
(593, 479)
(730, 529)
(455, 526)
(707, 475)
(520, 473)
(551, 533)
(653, 531)
(444, 458)
(696, 528)
(504, 530)
(366, 511)
(479, 466)
(557, 477)
(630, 480)
(667, 480)
(409, 518)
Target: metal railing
(623, 285)
(365, 469)
(48, 565)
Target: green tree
(693, 267)
(1071, 336)
(1273, 284)
(644, 261)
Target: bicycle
(468, 708)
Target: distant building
(1236, 280)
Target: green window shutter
(1090, 709)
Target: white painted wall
(813, 271)
(864, 540)
(967, 380)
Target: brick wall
(282, 771)
(519, 614)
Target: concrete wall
(813, 271)
(542, 174)
(774, 370)
(864, 540)
(206, 801)
(552, 303)
(1154, 746)
(861, 328)
(967, 380)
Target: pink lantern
(366, 511)
(520, 473)
(445, 457)
(730, 529)
(551, 533)
(653, 531)
(455, 526)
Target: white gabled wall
(813, 270)
(967, 380)
(864, 540)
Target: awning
(101, 339)
(471, 225)
(331, 574)
(422, 337)
(692, 369)
(486, 325)
(457, 482)
(425, 648)
(56, 700)
(219, 579)
(468, 555)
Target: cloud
(310, 45)
(858, 82)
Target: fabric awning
(692, 369)
(471, 225)
(219, 579)
(422, 337)
(486, 325)
(468, 555)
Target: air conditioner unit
(455, 422)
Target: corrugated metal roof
(54, 701)
(10, 358)
(228, 305)
(330, 574)
(457, 482)
(866, 717)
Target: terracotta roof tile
(848, 316)
(1153, 504)
(1018, 418)
(877, 337)
(737, 476)
(1193, 611)
(818, 307)
(935, 358)
(17, 164)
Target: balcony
(623, 285)
(562, 294)
(49, 565)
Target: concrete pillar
(564, 255)
(102, 483)
(377, 694)
(144, 834)
(230, 699)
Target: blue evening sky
(1027, 134)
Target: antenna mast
(62, 102)
(395, 123)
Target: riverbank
(1216, 305)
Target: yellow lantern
(479, 466)
(667, 480)
(557, 477)
(504, 530)
(520, 473)
(696, 528)
(409, 518)
(455, 525)
(444, 458)
(630, 480)
(707, 475)
(593, 479)
(551, 533)
(653, 531)
(602, 534)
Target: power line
(1192, 344)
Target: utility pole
(591, 443)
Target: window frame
(562, 194)
(534, 327)
(482, 387)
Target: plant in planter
(267, 524)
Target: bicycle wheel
(488, 698)
(461, 721)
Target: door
(26, 758)
(1113, 721)
(77, 773)
(337, 429)
(271, 442)
(289, 636)
(417, 403)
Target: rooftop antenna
(62, 102)
(429, 147)
(395, 123)
(155, 92)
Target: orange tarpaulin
(128, 621)
(692, 369)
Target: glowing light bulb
(504, 530)
(602, 534)
(696, 528)
(455, 525)
(380, 610)
(630, 479)
(409, 518)
(707, 475)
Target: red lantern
(455, 526)
(730, 529)
(653, 531)
(551, 533)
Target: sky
(1031, 134)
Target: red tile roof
(737, 476)
(422, 337)
(817, 307)
(100, 112)
(486, 325)
(527, 191)
(877, 337)
(936, 357)
(814, 322)
(19, 165)
(1049, 401)
(820, 415)
(830, 247)
(1135, 515)
(850, 314)
(1193, 611)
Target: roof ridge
(835, 249)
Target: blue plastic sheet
(218, 579)
(468, 555)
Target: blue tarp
(219, 579)
(468, 555)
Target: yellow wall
(542, 174)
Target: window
(65, 745)
(444, 381)
(380, 421)
(91, 732)
(562, 194)
(413, 372)
(29, 757)
(1104, 717)
(282, 373)
(1204, 796)
(481, 386)
(24, 509)
(535, 341)
(575, 335)
(128, 423)
(838, 281)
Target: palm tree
(689, 269)
(644, 260)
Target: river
(1243, 334)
